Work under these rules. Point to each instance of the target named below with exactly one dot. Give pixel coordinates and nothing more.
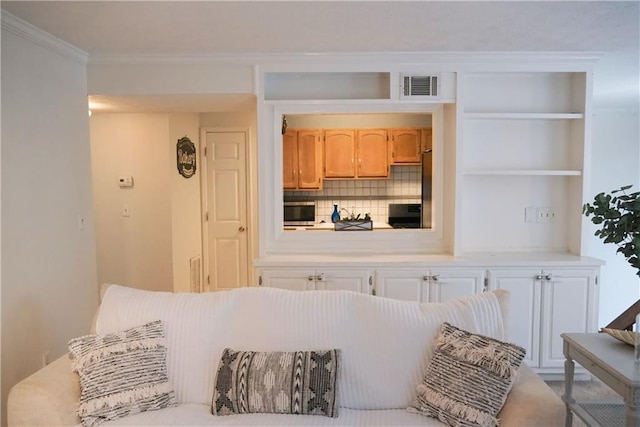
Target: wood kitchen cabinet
(372, 148)
(406, 145)
(361, 153)
(302, 160)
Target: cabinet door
(339, 153)
(349, 280)
(290, 160)
(309, 160)
(407, 146)
(289, 278)
(403, 284)
(524, 319)
(449, 284)
(568, 305)
(372, 153)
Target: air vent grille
(420, 86)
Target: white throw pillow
(121, 373)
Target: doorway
(225, 208)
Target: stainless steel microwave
(299, 214)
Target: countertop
(330, 227)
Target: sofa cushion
(468, 378)
(121, 373)
(299, 382)
(373, 333)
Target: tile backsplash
(364, 196)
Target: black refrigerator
(427, 182)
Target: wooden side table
(612, 362)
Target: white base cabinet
(357, 280)
(427, 285)
(544, 304)
(546, 299)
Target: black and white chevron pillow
(121, 373)
(299, 382)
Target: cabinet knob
(241, 228)
(320, 277)
(425, 278)
(311, 278)
(435, 277)
(548, 277)
(539, 277)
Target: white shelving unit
(522, 144)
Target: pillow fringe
(124, 397)
(441, 401)
(489, 356)
(93, 356)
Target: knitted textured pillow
(468, 378)
(300, 382)
(121, 373)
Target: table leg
(569, 366)
(632, 415)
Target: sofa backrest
(385, 343)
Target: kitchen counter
(329, 226)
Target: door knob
(241, 228)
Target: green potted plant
(618, 216)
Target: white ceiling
(222, 27)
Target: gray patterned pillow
(468, 378)
(299, 382)
(121, 373)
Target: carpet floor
(592, 390)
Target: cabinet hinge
(205, 151)
(597, 280)
(260, 280)
(370, 281)
(485, 288)
(206, 216)
(208, 281)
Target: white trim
(37, 36)
(274, 240)
(351, 61)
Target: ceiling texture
(115, 28)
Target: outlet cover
(546, 214)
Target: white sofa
(385, 346)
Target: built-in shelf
(524, 172)
(524, 116)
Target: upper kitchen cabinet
(407, 145)
(302, 160)
(522, 144)
(372, 148)
(358, 153)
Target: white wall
(152, 248)
(185, 203)
(616, 154)
(135, 250)
(616, 162)
(49, 285)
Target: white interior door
(226, 217)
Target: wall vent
(420, 86)
(194, 280)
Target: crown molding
(355, 58)
(37, 36)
